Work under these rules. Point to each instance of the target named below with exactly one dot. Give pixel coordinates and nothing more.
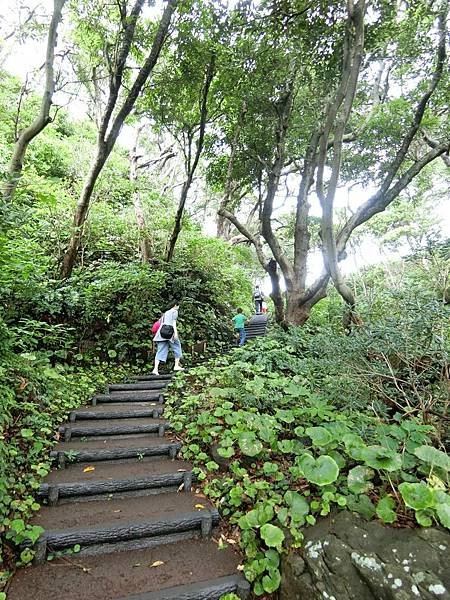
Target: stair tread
(105, 471)
(107, 443)
(115, 576)
(117, 407)
(88, 425)
(98, 513)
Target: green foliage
(294, 447)
(35, 398)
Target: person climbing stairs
(120, 513)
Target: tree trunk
(43, 119)
(210, 71)
(276, 294)
(137, 203)
(296, 312)
(81, 213)
(106, 141)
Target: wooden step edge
(86, 415)
(203, 590)
(151, 377)
(55, 491)
(113, 533)
(137, 387)
(104, 398)
(71, 431)
(64, 457)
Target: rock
(347, 558)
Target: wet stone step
(123, 575)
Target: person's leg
(242, 336)
(161, 355)
(256, 306)
(178, 353)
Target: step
(205, 590)
(117, 411)
(116, 525)
(115, 427)
(126, 574)
(109, 448)
(132, 387)
(151, 377)
(140, 477)
(128, 397)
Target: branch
(283, 110)
(353, 52)
(245, 232)
(420, 110)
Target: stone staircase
(257, 326)
(122, 520)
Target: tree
(317, 117)
(116, 108)
(43, 119)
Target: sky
(26, 58)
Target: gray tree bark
(43, 119)
(111, 126)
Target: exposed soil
(136, 441)
(87, 425)
(105, 471)
(119, 407)
(89, 514)
(117, 575)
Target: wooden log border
(203, 590)
(108, 532)
(133, 387)
(54, 491)
(63, 457)
(150, 397)
(70, 431)
(126, 413)
(152, 377)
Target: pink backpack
(156, 325)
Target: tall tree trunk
(137, 203)
(276, 295)
(192, 167)
(43, 119)
(110, 128)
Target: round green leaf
(433, 456)
(26, 433)
(416, 495)
(322, 471)
(271, 581)
(358, 479)
(272, 535)
(298, 506)
(249, 444)
(385, 509)
(381, 458)
(423, 517)
(443, 513)
(319, 435)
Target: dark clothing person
(258, 297)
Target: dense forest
(190, 149)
